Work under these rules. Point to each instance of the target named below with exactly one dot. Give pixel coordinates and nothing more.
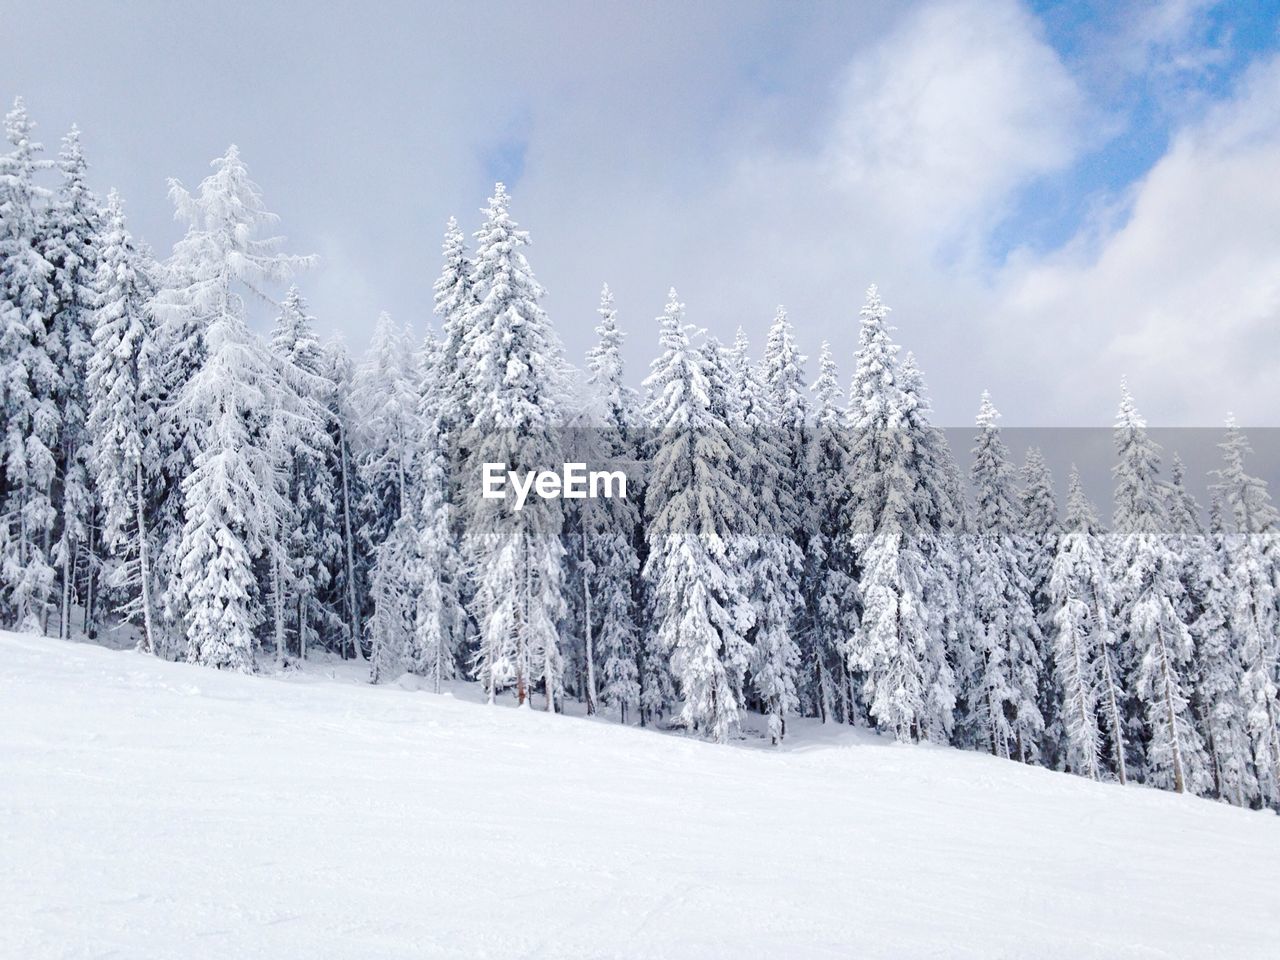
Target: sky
(1051, 195)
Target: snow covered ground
(161, 810)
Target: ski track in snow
(158, 810)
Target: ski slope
(157, 810)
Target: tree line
(789, 548)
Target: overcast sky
(1050, 194)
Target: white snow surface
(152, 809)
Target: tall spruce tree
(1080, 600)
(311, 538)
(1038, 538)
(72, 241)
(515, 415)
(693, 505)
(123, 416)
(1008, 629)
(1219, 669)
(439, 620)
(29, 403)
(1252, 571)
(828, 584)
(607, 528)
(1151, 594)
(890, 647)
(232, 507)
(767, 555)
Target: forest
(788, 545)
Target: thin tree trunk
(302, 628)
(148, 644)
(278, 606)
(352, 612)
(47, 539)
(586, 595)
(68, 574)
(90, 618)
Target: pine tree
(1219, 671)
(1009, 632)
(1080, 599)
(784, 386)
(122, 416)
(1150, 596)
(768, 555)
(71, 244)
(31, 421)
(938, 509)
(1252, 572)
(345, 572)
(828, 583)
(1038, 540)
(606, 560)
(515, 401)
(438, 616)
(232, 505)
(693, 505)
(892, 645)
(453, 303)
(310, 540)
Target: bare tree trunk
(148, 644)
(68, 574)
(302, 627)
(278, 605)
(353, 612)
(586, 596)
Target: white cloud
(932, 129)
(1183, 297)
(744, 153)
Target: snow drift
(150, 809)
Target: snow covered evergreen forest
(788, 547)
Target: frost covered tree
(310, 538)
(1148, 578)
(386, 400)
(693, 504)
(345, 572)
(1038, 539)
(122, 415)
(515, 414)
(1080, 601)
(1219, 670)
(827, 580)
(29, 402)
(788, 527)
(602, 532)
(892, 645)
(1252, 576)
(1007, 627)
(71, 242)
(418, 620)
(232, 506)
(767, 555)
(938, 510)
(439, 620)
